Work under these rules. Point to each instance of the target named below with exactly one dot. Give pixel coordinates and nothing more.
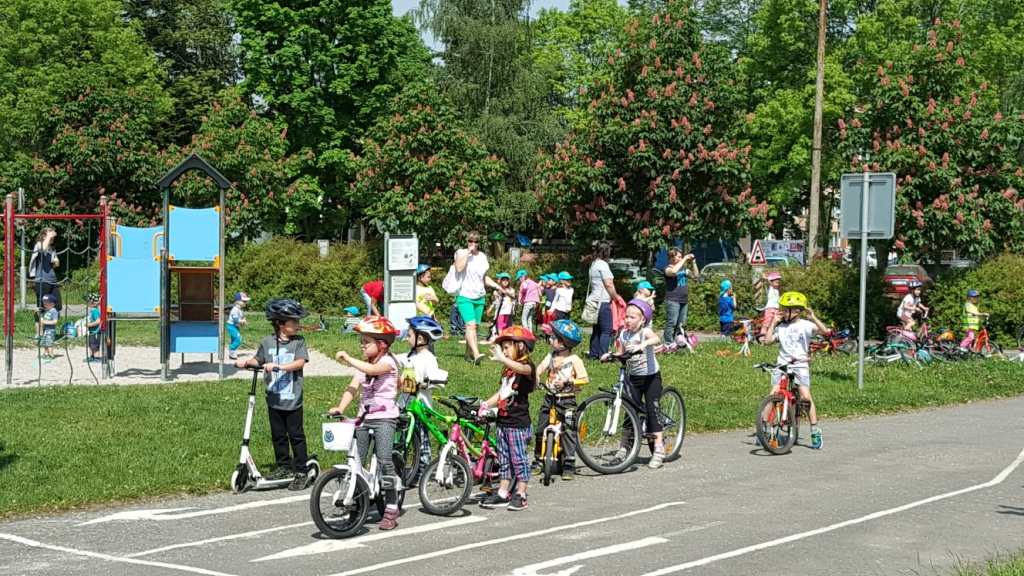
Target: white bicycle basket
(338, 435)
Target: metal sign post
(872, 198)
(401, 258)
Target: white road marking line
(108, 557)
(220, 539)
(533, 569)
(324, 546)
(704, 561)
(166, 513)
(464, 547)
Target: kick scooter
(246, 474)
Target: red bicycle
(322, 326)
(833, 342)
(778, 416)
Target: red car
(896, 281)
(836, 253)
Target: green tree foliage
(52, 50)
(422, 172)
(934, 121)
(328, 69)
(571, 49)
(488, 70)
(659, 160)
(99, 144)
(192, 42)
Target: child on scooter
(564, 370)
(512, 349)
(644, 372)
(283, 356)
(417, 365)
(377, 375)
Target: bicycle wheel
(990, 349)
(550, 464)
(1020, 338)
(607, 444)
(847, 348)
(399, 463)
(776, 431)
(445, 496)
(672, 415)
(411, 453)
(331, 516)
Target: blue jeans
(601, 337)
(456, 324)
(675, 317)
(236, 336)
(367, 301)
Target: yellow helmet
(793, 300)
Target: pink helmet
(774, 276)
(644, 308)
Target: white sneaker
(232, 356)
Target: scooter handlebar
(259, 368)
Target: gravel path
(137, 365)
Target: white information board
(401, 257)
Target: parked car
(896, 281)
(836, 253)
(872, 258)
(781, 261)
(629, 270)
(733, 271)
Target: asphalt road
(903, 494)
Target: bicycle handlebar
(367, 410)
(766, 366)
(622, 357)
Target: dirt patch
(137, 365)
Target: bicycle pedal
(773, 444)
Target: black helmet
(285, 309)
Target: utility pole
(819, 97)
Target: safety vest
(972, 318)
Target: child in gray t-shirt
(283, 356)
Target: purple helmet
(644, 307)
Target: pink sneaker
(390, 519)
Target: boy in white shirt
(794, 336)
(416, 367)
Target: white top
(641, 364)
(599, 272)
(563, 299)
(794, 340)
(506, 305)
(909, 302)
(236, 316)
(773, 298)
(423, 363)
(473, 286)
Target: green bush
(287, 268)
(1002, 293)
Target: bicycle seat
(466, 401)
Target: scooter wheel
(313, 470)
(240, 479)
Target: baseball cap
(242, 296)
(645, 284)
(520, 274)
(564, 276)
(352, 310)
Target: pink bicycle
(448, 480)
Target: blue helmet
(972, 293)
(421, 269)
(568, 332)
(915, 284)
(427, 326)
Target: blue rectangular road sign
(881, 205)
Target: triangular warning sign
(757, 255)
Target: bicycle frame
(355, 466)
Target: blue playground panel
(133, 286)
(137, 243)
(195, 234)
(194, 337)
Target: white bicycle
(340, 502)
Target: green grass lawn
(999, 565)
(66, 447)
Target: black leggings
(42, 289)
(649, 388)
(286, 429)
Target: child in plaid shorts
(515, 429)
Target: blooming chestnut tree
(421, 172)
(658, 160)
(930, 118)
